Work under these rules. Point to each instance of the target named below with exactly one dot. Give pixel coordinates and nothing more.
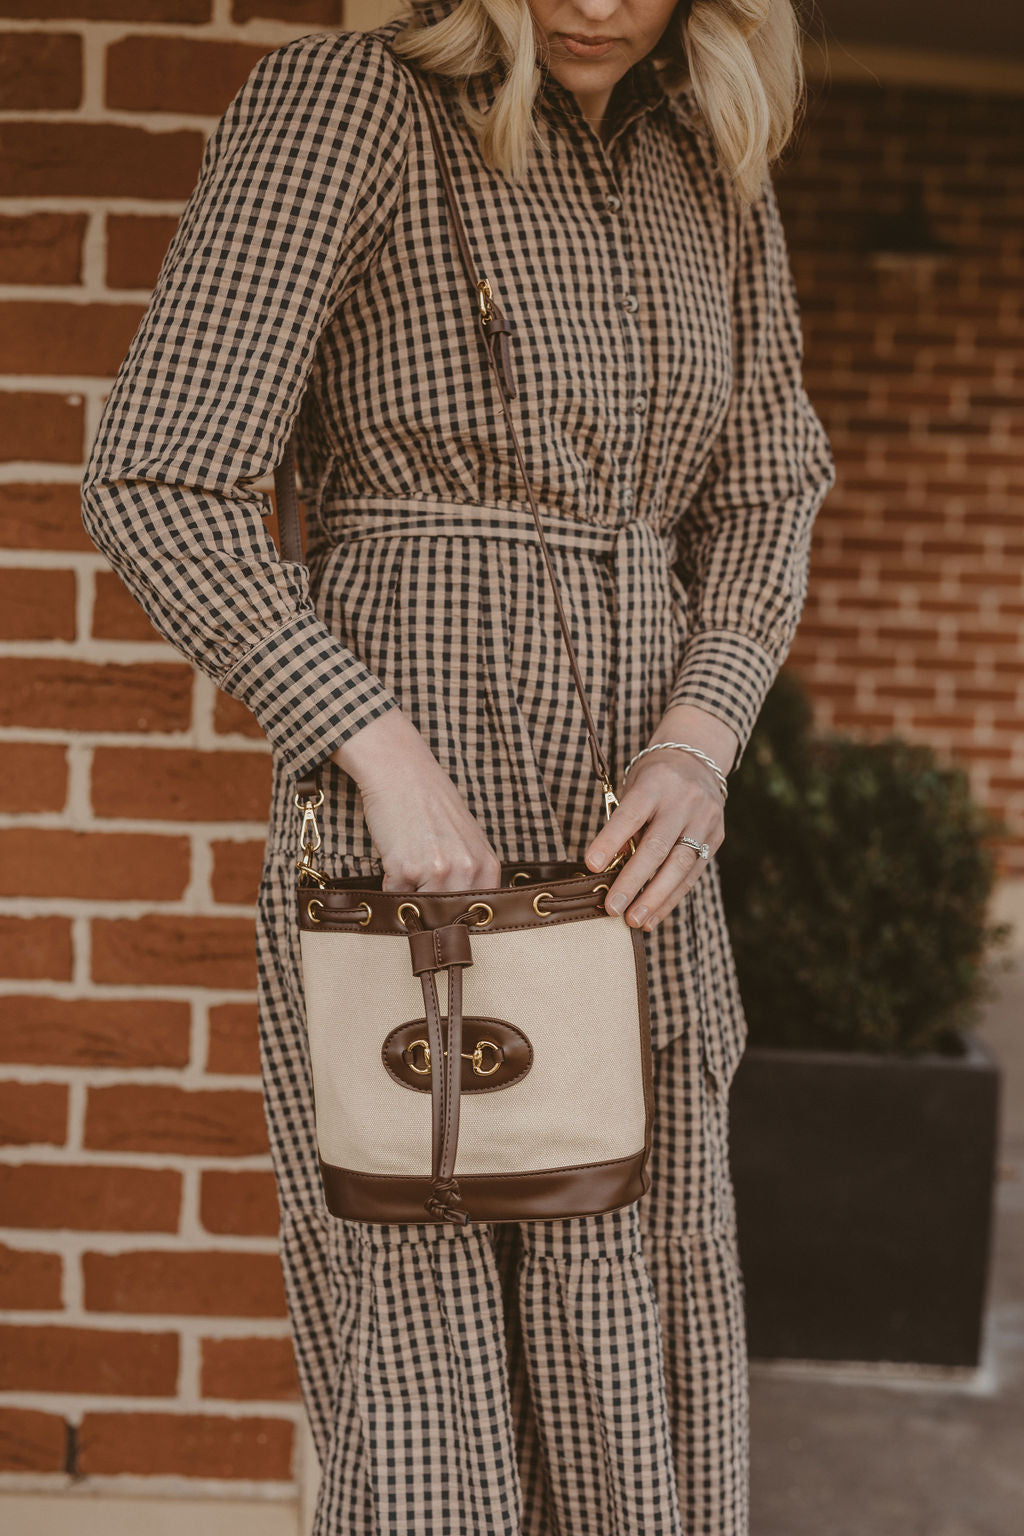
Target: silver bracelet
(683, 746)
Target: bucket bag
(480, 1054)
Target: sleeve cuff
(729, 675)
(308, 691)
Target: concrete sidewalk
(897, 1450)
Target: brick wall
(145, 1335)
(915, 610)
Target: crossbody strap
(495, 330)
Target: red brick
(94, 1032)
(81, 160)
(102, 866)
(42, 247)
(180, 784)
(176, 950)
(43, 516)
(242, 1203)
(54, 336)
(186, 1445)
(161, 1117)
(247, 1370)
(43, 1358)
(236, 872)
(180, 12)
(30, 1281)
(136, 245)
(232, 718)
(32, 1441)
(33, 777)
(33, 1113)
(37, 605)
(66, 695)
(40, 71)
(234, 1042)
(150, 73)
(116, 615)
(90, 1198)
(35, 948)
(171, 1281)
(294, 11)
(34, 425)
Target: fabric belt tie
(646, 630)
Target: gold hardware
(426, 1056)
(369, 913)
(402, 908)
(519, 876)
(539, 897)
(481, 906)
(483, 291)
(309, 839)
(309, 908)
(475, 1056)
(301, 802)
(610, 801)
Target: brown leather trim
(546, 1195)
(506, 1054)
(646, 1049)
(357, 904)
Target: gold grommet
(539, 897)
(402, 908)
(309, 908)
(369, 913)
(482, 907)
(519, 876)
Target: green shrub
(856, 878)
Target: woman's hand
(666, 793)
(425, 833)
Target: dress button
(612, 201)
(627, 496)
(631, 302)
(640, 404)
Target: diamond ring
(691, 842)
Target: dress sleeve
(744, 541)
(296, 190)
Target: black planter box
(864, 1192)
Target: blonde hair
(742, 57)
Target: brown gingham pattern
(575, 1377)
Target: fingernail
(615, 903)
(638, 914)
(594, 860)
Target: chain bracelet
(683, 746)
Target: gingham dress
(583, 1377)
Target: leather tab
(308, 786)
(434, 948)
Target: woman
(576, 1376)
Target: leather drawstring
(434, 949)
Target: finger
(659, 901)
(656, 847)
(676, 870)
(681, 863)
(657, 914)
(629, 817)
